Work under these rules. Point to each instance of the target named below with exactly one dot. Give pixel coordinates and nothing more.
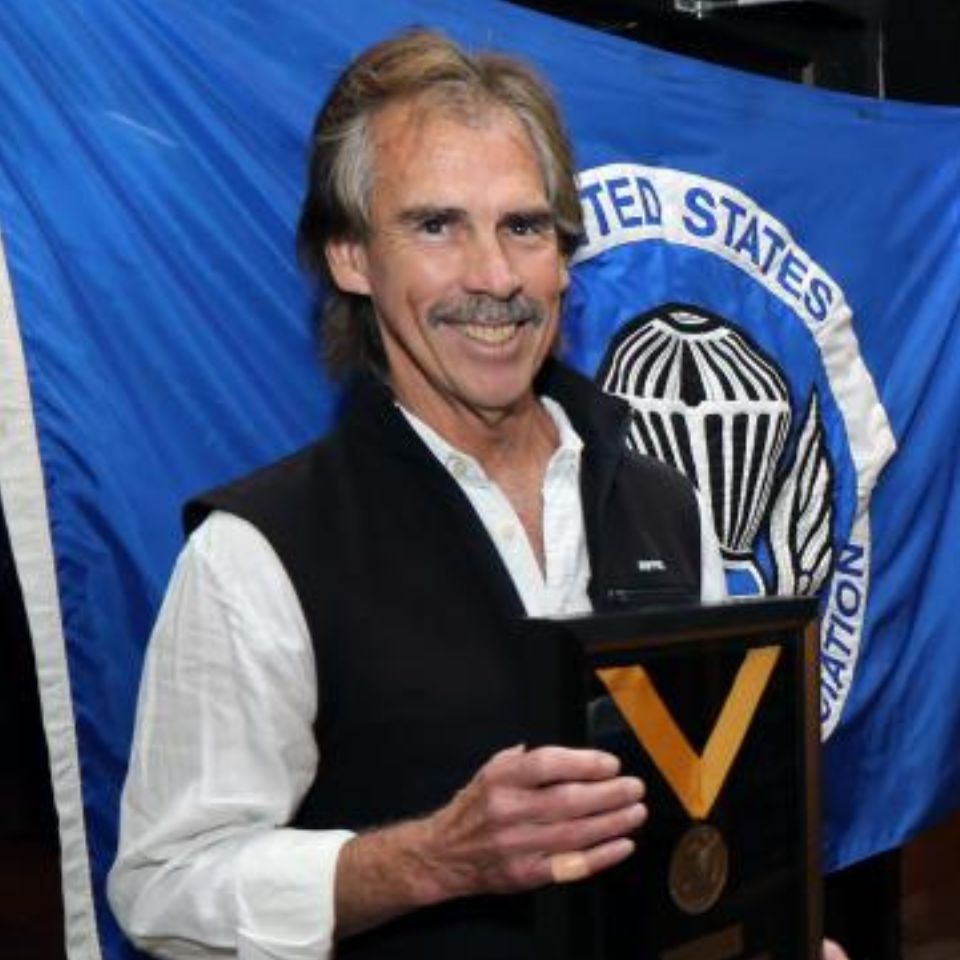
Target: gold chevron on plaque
(696, 779)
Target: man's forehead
(450, 104)
(410, 124)
(428, 153)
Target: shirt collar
(466, 469)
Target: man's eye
(528, 226)
(434, 226)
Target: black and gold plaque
(716, 709)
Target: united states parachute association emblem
(736, 351)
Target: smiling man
(328, 755)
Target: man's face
(463, 264)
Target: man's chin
(497, 402)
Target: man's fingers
(547, 765)
(556, 799)
(511, 795)
(568, 867)
(524, 840)
(587, 832)
(573, 865)
(833, 951)
(565, 801)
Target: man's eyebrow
(535, 216)
(415, 216)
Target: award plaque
(715, 708)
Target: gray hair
(419, 64)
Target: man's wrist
(435, 876)
(384, 873)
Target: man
(329, 742)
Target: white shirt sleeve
(713, 580)
(224, 751)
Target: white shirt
(224, 748)
(562, 586)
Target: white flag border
(23, 494)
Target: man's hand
(530, 818)
(833, 951)
(527, 818)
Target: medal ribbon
(696, 780)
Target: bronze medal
(698, 869)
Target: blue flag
(771, 278)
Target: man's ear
(349, 266)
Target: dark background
(896, 49)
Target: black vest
(410, 607)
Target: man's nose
(490, 270)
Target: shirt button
(458, 467)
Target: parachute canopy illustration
(709, 402)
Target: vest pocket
(659, 594)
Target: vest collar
(599, 419)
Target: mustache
(484, 309)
